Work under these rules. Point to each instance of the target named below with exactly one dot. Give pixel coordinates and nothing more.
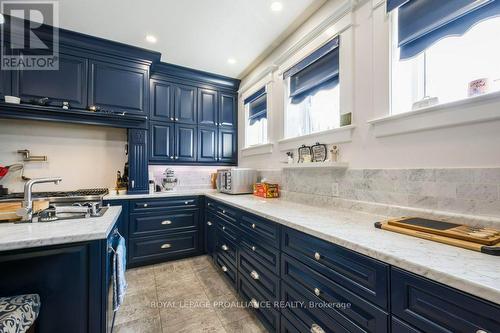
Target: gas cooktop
(78, 195)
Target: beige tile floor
(188, 295)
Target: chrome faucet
(26, 212)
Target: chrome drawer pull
(209, 204)
(145, 205)
(223, 228)
(317, 292)
(317, 256)
(253, 248)
(253, 225)
(166, 222)
(209, 223)
(315, 328)
(166, 246)
(481, 331)
(254, 303)
(223, 211)
(186, 202)
(224, 247)
(254, 275)
(224, 268)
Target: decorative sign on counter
(305, 154)
(319, 152)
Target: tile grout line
(157, 299)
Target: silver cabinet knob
(224, 268)
(317, 256)
(209, 223)
(166, 246)
(317, 292)
(145, 205)
(225, 247)
(176, 157)
(172, 118)
(223, 228)
(481, 331)
(254, 303)
(254, 275)
(223, 211)
(171, 157)
(315, 328)
(253, 248)
(166, 222)
(209, 204)
(176, 119)
(186, 202)
(253, 225)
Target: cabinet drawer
(229, 270)
(268, 315)
(266, 255)
(225, 211)
(154, 205)
(401, 327)
(226, 248)
(364, 276)
(358, 316)
(260, 228)
(152, 249)
(227, 229)
(262, 279)
(433, 308)
(175, 221)
(307, 318)
(288, 327)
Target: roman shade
(257, 106)
(423, 22)
(318, 71)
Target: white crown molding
(378, 3)
(265, 77)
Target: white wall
(473, 145)
(84, 156)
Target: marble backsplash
(469, 191)
(190, 177)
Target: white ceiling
(200, 34)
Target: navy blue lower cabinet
(167, 222)
(161, 142)
(260, 228)
(226, 248)
(398, 326)
(163, 204)
(138, 161)
(210, 233)
(435, 308)
(362, 275)
(123, 221)
(229, 271)
(265, 254)
(263, 279)
(69, 279)
(5, 83)
(351, 311)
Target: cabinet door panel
(207, 144)
(162, 99)
(162, 141)
(185, 141)
(207, 107)
(227, 145)
(138, 161)
(68, 83)
(227, 110)
(5, 83)
(185, 104)
(118, 87)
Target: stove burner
(61, 194)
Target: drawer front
(229, 270)
(266, 255)
(227, 229)
(288, 327)
(268, 315)
(225, 211)
(263, 280)
(227, 249)
(260, 228)
(154, 205)
(364, 276)
(175, 221)
(152, 249)
(432, 307)
(350, 310)
(399, 326)
(305, 317)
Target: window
(312, 92)
(256, 118)
(436, 57)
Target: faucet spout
(26, 212)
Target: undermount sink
(51, 215)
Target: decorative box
(266, 190)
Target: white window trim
(337, 135)
(471, 110)
(262, 149)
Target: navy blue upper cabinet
(69, 83)
(119, 86)
(162, 141)
(227, 145)
(185, 104)
(227, 109)
(138, 161)
(207, 107)
(207, 144)
(162, 99)
(185, 143)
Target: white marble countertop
(472, 272)
(175, 193)
(26, 235)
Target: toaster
(236, 180)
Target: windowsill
(261, 149)
(467, 111)
(336, 135)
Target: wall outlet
(335, 189)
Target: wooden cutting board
(481, 235)
(8, 209)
